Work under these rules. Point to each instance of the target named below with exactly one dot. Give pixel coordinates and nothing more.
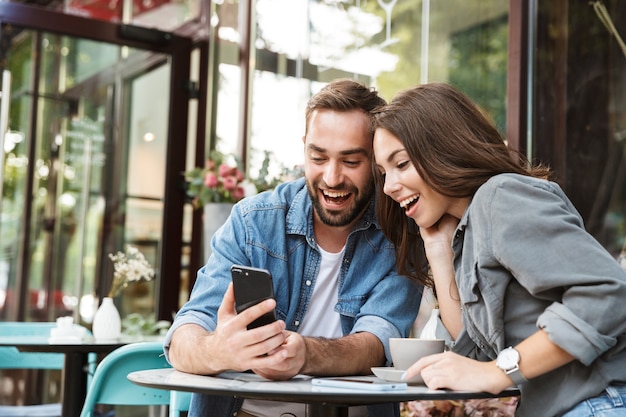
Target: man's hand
(293, 350)
(231, 346)
(348, 355)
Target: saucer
(394, 375)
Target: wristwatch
(508, 361)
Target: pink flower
(211, 180)
(225, 170)
(230, 182)
(238, 193)
(221, 180)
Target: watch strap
(516, 376)
(508, 362)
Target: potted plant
(130, 267)
(219, 181)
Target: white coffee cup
(406, 351)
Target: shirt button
(308, 282)
(297, 322)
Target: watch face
(507, 359)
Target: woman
(526, 295)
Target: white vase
(107, 324)
(215, 214)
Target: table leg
(326, 410)
(74, 383)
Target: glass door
(83, 173)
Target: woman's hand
(438, 238)
(438, 246)
(449, 370)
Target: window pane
(387, 44)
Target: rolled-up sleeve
(538, 235)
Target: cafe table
(320, 401)
(75, 367)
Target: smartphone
(361, 384)
(251, 286)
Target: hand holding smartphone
(251, 286)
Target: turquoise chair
(111, 386)
(179, 402)
(11, 358)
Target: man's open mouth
(335, 197)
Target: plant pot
(215, 214)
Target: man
(338, 295)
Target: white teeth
(335, 194)
(407, 201)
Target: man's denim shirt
(274, 230)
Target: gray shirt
(523, 261)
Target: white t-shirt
(320, 320)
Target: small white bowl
(392, 374)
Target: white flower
(130, 267)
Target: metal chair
(179, 402)
(11, 358)
(111, 386)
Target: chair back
(110, 384)
(11, 358)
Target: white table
(321, 402)
(75, 364)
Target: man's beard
(339, 218)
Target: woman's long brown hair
(453, 146)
